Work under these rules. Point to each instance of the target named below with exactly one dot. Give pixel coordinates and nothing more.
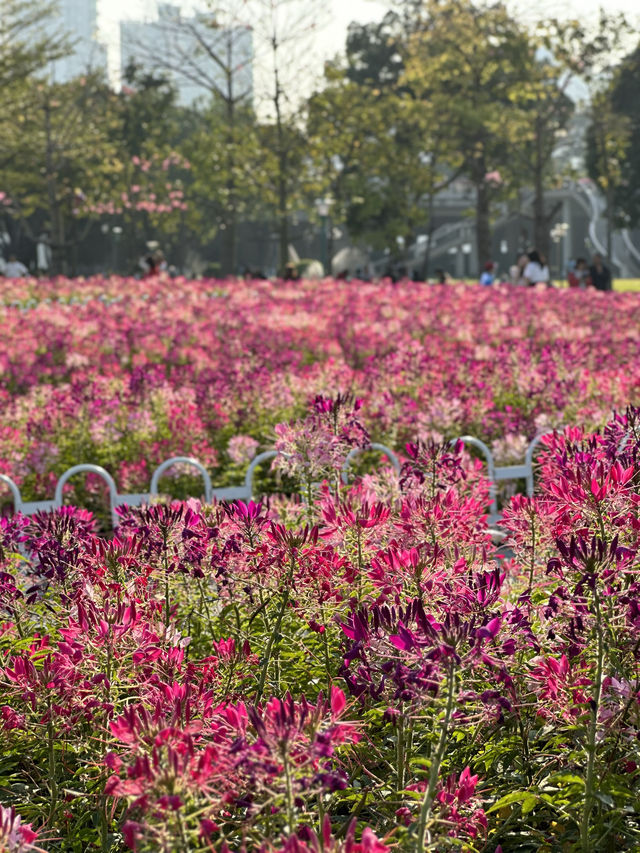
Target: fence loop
(494, 515)
(529, 459)
(89, 469)
(260, 459)
(356, 451)
(15, 492)
(185, 460)
(496, 473)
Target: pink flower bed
(126, 373)
(345, 668)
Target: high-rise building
(78, 19)
(197, 57)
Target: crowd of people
(532, 268)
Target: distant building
(182, 48)
(78, 19)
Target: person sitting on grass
(536, 271)
(15, 268)
(578, 276)
(488, 276)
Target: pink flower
(15, 836)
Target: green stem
(53, 786)
(526, 755)
(205, 608)
(320, 820)
(166, 601)
(263, 610)
(287, 774)
(309, 509)
(165, 560)
(18, 625)
(603, 532)
(533, 557)
(325, 643)
(104, 826)
(274, 637)
(183, 835)
(327, 664)
(400, 753)
(589, 794)
(425, 809)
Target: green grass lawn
(626, 284)
(618, 283)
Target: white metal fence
(245, 491)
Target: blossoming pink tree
(150, 201)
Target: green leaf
(513, 797)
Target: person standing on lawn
(600, 274)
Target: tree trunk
(483, 224)
(541, 220)
(283, 220)
(74, 248)
(283, 162)
(55, 208)
(424, 267)
(330, 246)
(230, 242)
(609, 221)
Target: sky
(339, 13)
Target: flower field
(334, 668)
(127, 373)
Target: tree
(64, 136)
(344, 121)
(609, 139)
(145, 197)
(404, 162)
(381, 153)
(283, 31)
(543, 112)
(463, 63)
(147, 193)
(148, 114)
(212, 51)
(375, 51)
(26, 48)
(217, 197)
(556, 56)
(612, 140)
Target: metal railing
(499, 473)
(245, 490)
(242, 492)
